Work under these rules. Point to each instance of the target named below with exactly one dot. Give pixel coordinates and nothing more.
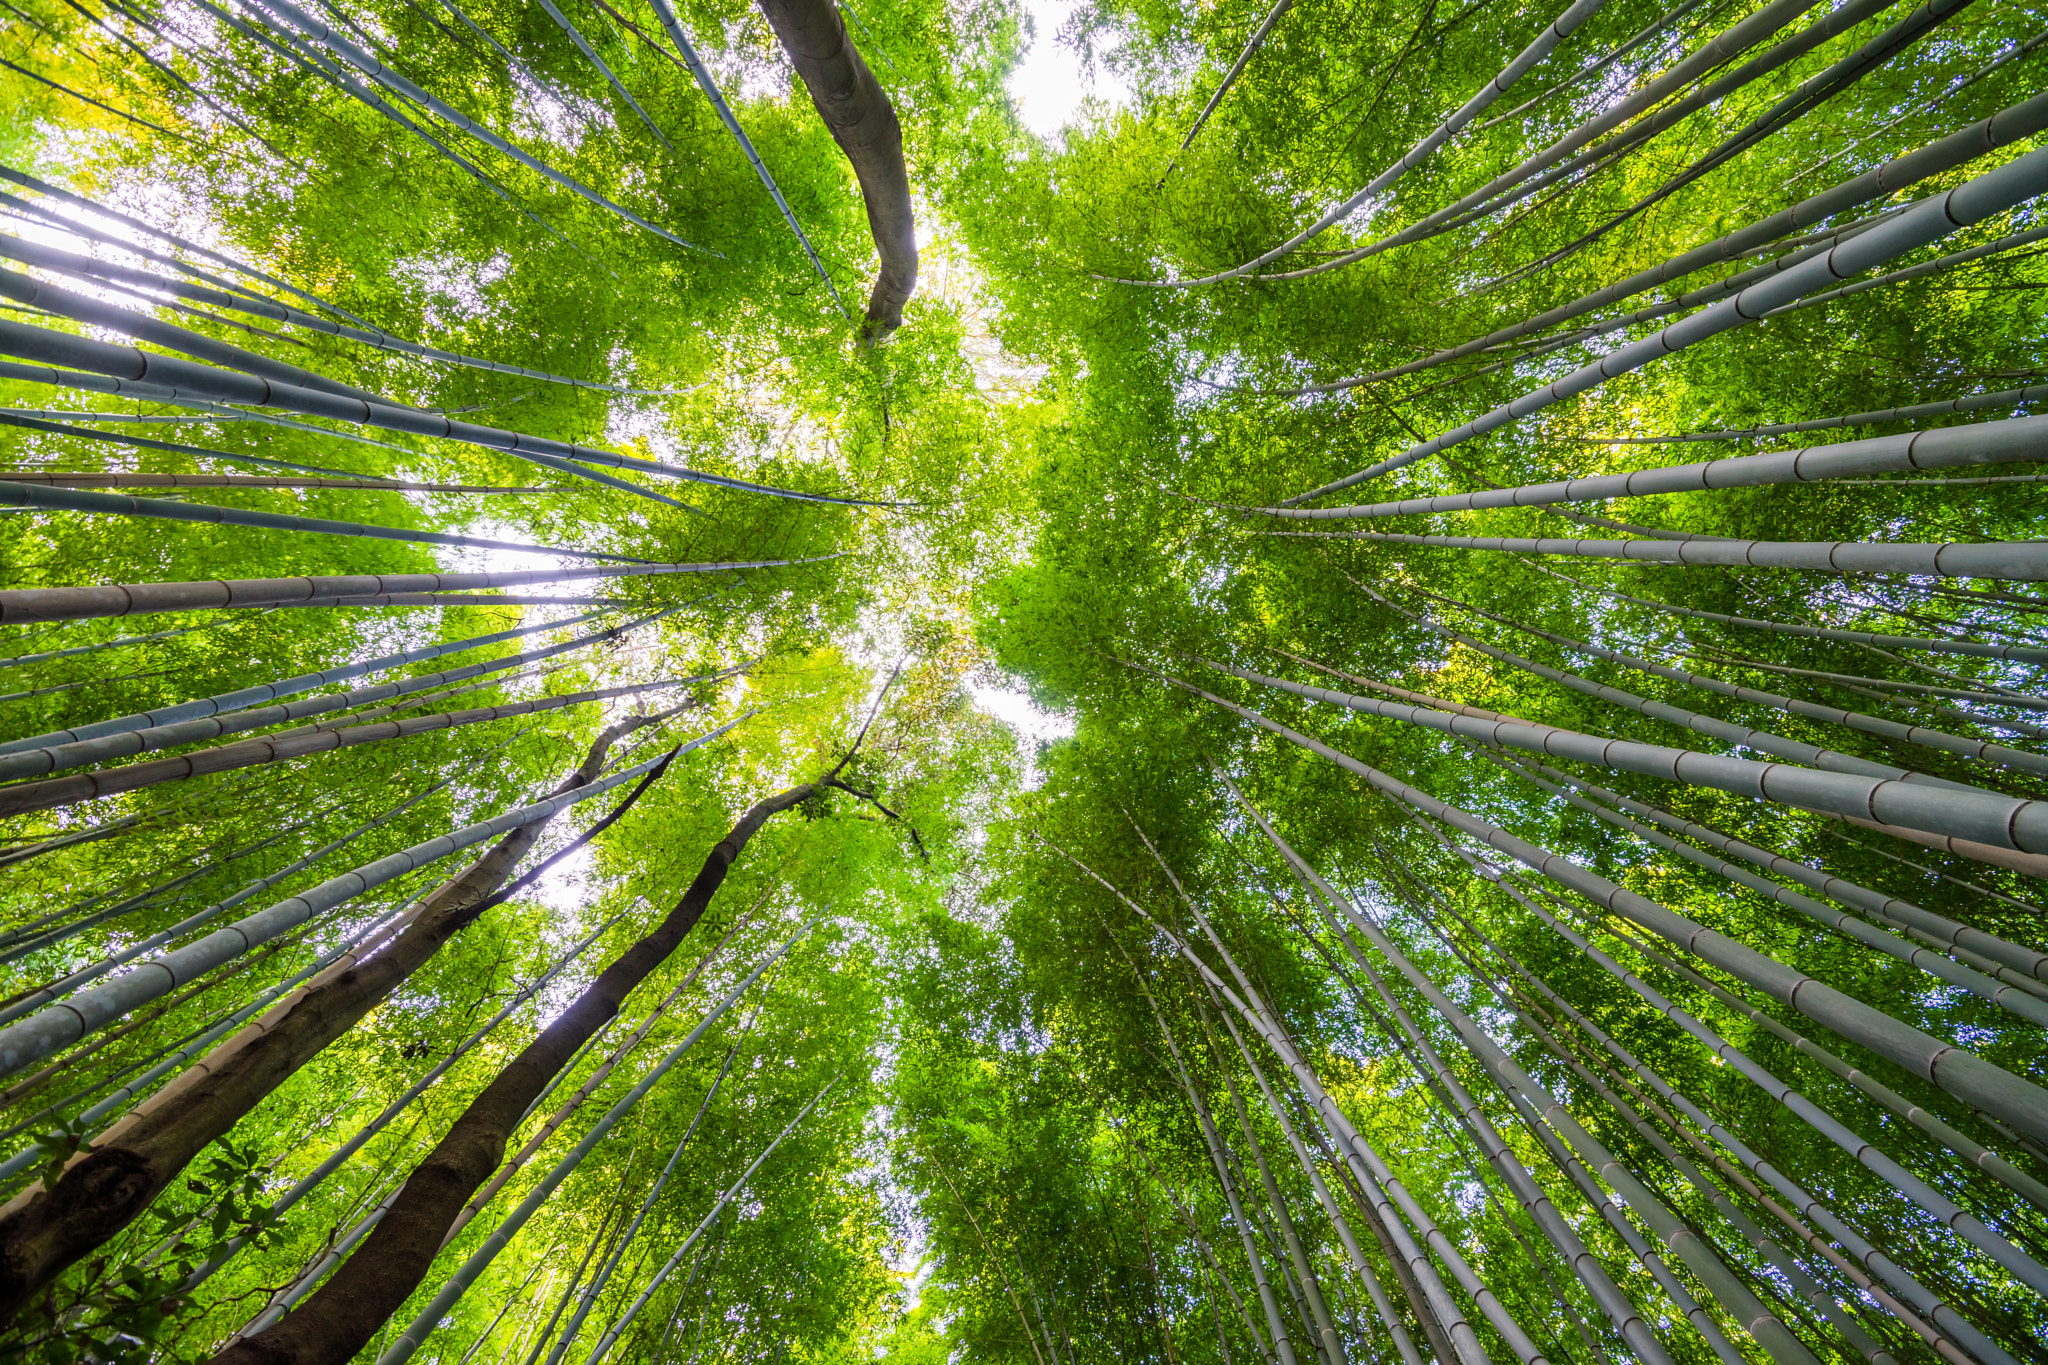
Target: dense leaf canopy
(1211, 915)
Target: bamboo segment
(1930, 220)
(21, 606)
(53, 1027)
(415, 1334)
(2015, 440)
(37, 753)
(1969, 1077)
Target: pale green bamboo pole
(1981, 751)
(702, 74)
(451, 1292)
(1830, 761)
(2011, 242)
(71, 263)
(129, 479)
(2014, 440)
(1373, 1175)
(28, 940)
(1403, 1343)
(1547, 39)
(2022, 700)
(1661, 24)
(128, 369)
(93, 970)
(312, 28)
(1929, 221)
(1237, 67)
(1868, 1259)
(154, 637)
(633, 1310)
(77, 201)
(66, 303)
(1973, 1152)
(224, 713)
(1621, 1312)
(2004, 400)
(1964, 1225)
(512, 1165)
(605, 1271)
(2015, 653)
(590, 54)
(1803, 99)
(51, 792)
(56, 1025)
(24, 605)
(1313, 1306)
(1534, 1101)
(1802, 1283)
(1388, 1031)
(2016, 998)
(1283, 1344)
(41, 498)
(1962, 1073)
(108, 1107)
(1215, 1262)
(2009, 961)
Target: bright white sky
(1049, 83)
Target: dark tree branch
(852, 103)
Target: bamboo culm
(1987, 951)
(1963, 1074)
(1965, 1226)
(1403, 1344)
(2014, 440)
(23, 606)
(27, 753)
(92, 971)
(1867, 1260)
(479, 1260)
(57, 1025)
(633, 1310)
(44, 1230)
(1780, 1260)
(128, 369)
(392, 1262)
(1384, 1191)
(1536, 51)
(1698, 1256)
(1282, 1341)
(1980, 750)
(63, 791)
(340, 1156)
(2012, 653)
(2017, 999)
(211, 717)
(2004, 400)
(611, 1265)
(71, 263)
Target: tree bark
(336, 1322)
(42, 1230)
(863, 122)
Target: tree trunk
(338, 1320)
(43, 1230)
(864, 124)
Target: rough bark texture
(863, 121)
(339, 1320)
(43, 1231)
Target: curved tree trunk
(863, 122)
(44, 1230)
(335, 1323)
